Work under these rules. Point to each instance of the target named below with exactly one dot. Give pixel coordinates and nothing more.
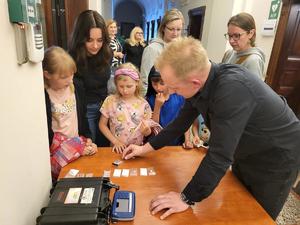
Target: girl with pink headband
(127, 112)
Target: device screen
(122, 205)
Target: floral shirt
(125, 118)
(63, 109)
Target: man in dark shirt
(252, 129)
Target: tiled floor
(290, 214)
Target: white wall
(260, 11)
(95, 5)
(107, 9)
(217, 15)
(24, 162)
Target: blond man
(252, 128)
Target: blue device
(123, 208)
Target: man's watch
(186, 200)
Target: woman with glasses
(241, 35)
(170, 28)
(134, 47)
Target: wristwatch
(186, 200)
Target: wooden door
(60, 16)
(73, 9)
(283, 73)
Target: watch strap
(186, 200)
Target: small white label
(117, 172)
(72, 173)
(125, 172)
(87, 196)
(73, 195)
(143, 172)
(30, 11)
(106, 173)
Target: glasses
(139, 33)
(235, 36)
(174, 29)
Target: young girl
(89, 47)
(165, 106)
(68, 130)
(128, 114)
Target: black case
(95, 213)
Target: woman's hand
(170, 201)
(119, 55)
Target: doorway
(60, 16)
(283, 73)
(196, 19)
(128, 14)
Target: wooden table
(230, 203)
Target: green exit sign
(274, 9)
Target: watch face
(185, 200)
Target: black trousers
(269, 188)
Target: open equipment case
(83, 201)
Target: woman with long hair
(89, 46)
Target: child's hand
(145, 129)
(119, 147)
(188, 144)
(160, 99)
(90, 148)
(197, 141)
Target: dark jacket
(249, 124)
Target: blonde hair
(132, 41)
(110, 22)
(57, 60)
(171, 15)
(137, 92)
(183, 55)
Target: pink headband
(127, 72)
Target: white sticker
(117, 172)
(87, 196)
(73, 195)
(72, 173)
(30, 11)
(125, 172)
(106, 173)
(143, 172)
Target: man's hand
(170, 201)
(135, 150)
